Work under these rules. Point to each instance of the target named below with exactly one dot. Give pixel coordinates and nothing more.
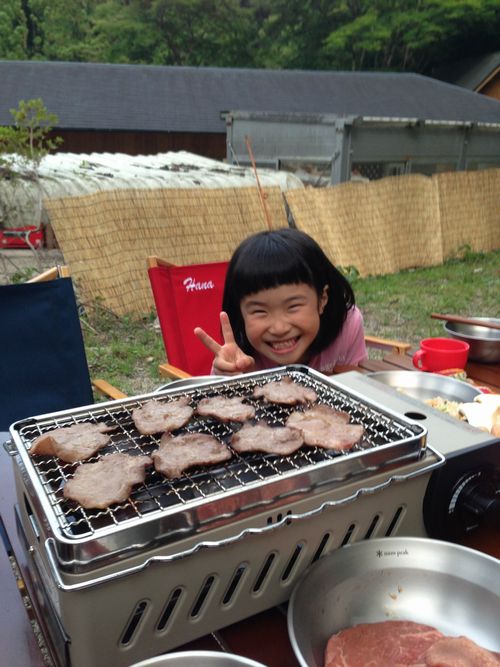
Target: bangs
(270, 267)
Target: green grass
(126, 351)
(399, 305)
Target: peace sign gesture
(229, 358)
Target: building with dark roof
(149, 109)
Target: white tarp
(71, 174)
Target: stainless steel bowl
(484, 343)
(198, 659)
(447, 586)
(423, 386)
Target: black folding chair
(43, 367)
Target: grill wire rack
(159, 495)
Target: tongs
(466, 320)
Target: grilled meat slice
(110, 480)
(158, 416)
(261, 437)
(285, 392)
(178, 453)
(322, 426)
(225, 409)
(72, 443)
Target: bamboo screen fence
(377, 227)
(106, 237)
(402, 222)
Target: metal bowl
(424, 386)
(447, 586)
(198, 658)
(484, 343)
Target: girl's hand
(229, 358)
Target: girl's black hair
(283, 257)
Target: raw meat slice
(176, 454)
(72, 443)
(458, 652)
(110, 480)
(394, 643)
(403, 644)
(322, 426)
(261, 437)
(158, 416)
(225, 409)
(285, 392)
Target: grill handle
(437, 461)
(10, 448)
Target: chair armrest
(107, 389)
(51, 274)
(169, 371)
(384, 343)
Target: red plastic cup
(438, 354)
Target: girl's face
(282, 322)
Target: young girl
(285, 303)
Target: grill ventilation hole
(270, 520)
(233, 585)
(263, 573)
(169, 608)
(321, 548)
(348, 534)
(394, 522)
(372, 526)
(291, 563)
(205, 589)
(133, 624)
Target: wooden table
(262, 637)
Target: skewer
(261, 193)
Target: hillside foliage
(383, 35)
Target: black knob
(476, 498)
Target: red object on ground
(21, 237)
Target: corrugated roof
(191, 99)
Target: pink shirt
(348, 349)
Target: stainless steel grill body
(185, 557)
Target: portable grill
(188, 556)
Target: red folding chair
(186, 297)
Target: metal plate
(427, 385)
(447, 586)
(197, 658)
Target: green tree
(124, 32)
(409, 35)
(22, 147)
(399, 35)
(29, 139)
(13, 30)
(203, 32)
(59, 29)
